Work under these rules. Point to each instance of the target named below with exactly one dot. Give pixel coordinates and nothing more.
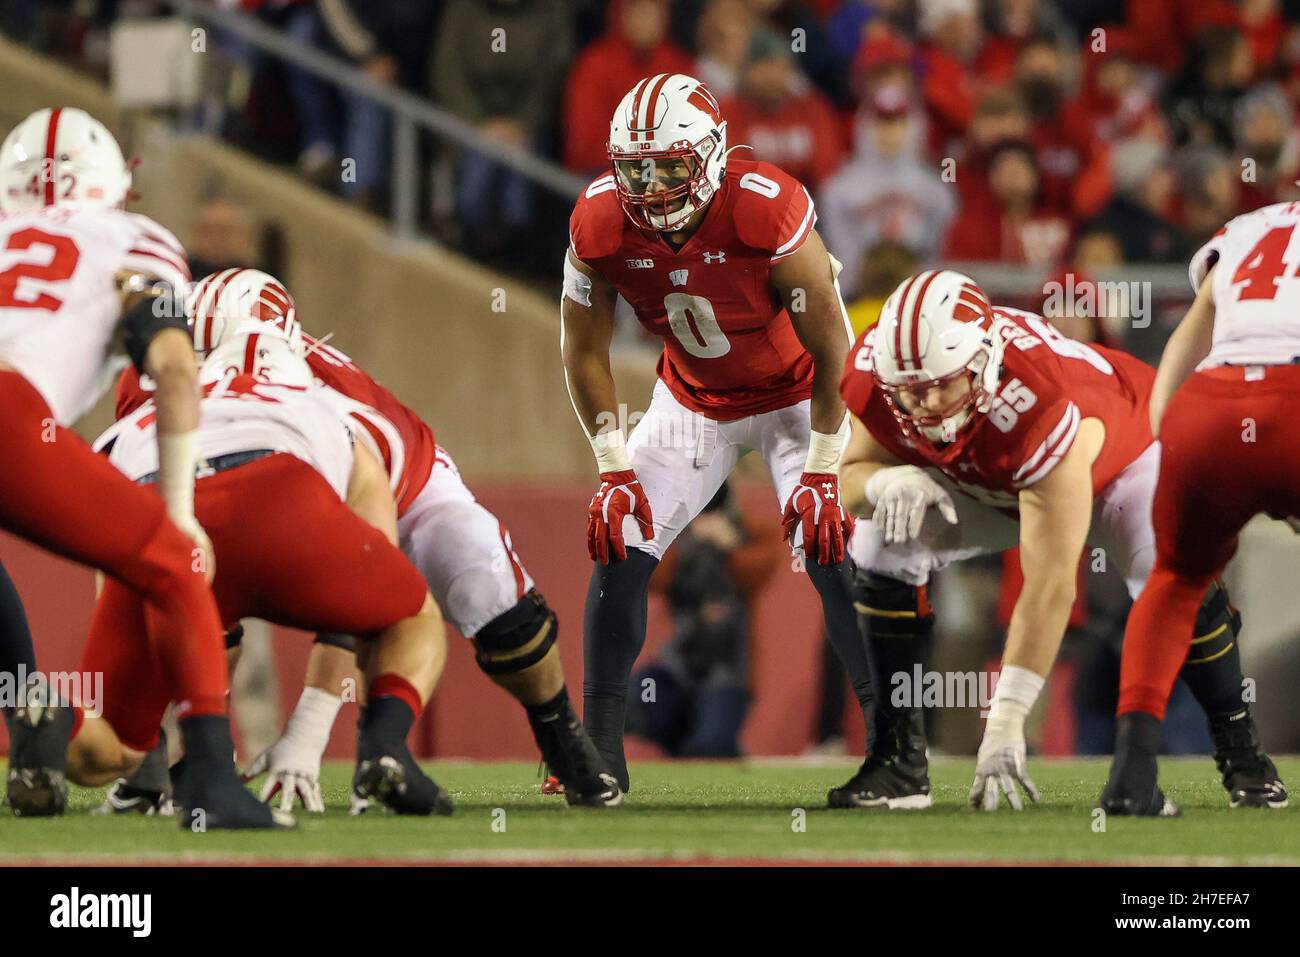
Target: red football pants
(58, 494)
(1230, 448)
(288, 551)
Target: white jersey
(1256, 287)
(59, 305)
(240, 414)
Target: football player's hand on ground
(620, 495)
(903, 494)
(293, 772)
(815, 508)
(1000, 769)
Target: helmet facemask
(944, 425)
(662, 190)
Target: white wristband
(177, 456)
(1017, 691)
(611, 451)
(313, 718)
(824, 451)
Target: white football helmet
(61, 156)
(668, 147)
(223, 302)
(258, 350)
(936, 327)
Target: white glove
(293, 772)
(1000, 767)
(902, 494)
(292, 764)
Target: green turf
(690, 810)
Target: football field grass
(701, 812)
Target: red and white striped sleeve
(1049, 452)
(155, 253)
(797, 225)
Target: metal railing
(410, 113)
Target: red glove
(826, 525)
(620, 494)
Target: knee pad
(1217, 625)
(335, 640)
(892, 608)
(518, 639)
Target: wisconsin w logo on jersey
(678, 276)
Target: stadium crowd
(1091, 133)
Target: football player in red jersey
(719, 256)
(463, 551)
(977, 429)
(1224, 407)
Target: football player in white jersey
(305, 520)
(464, 552)
(1224, 407)
(80, 276)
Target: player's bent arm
(1055, 515)
(369, 495)
(1189, 344)
(806, 283)
(166, 354)
(863, 458)
(586, 330)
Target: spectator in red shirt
(1020, 229)
(1073, 162)
(782, 117)
(1118, 99)
(635, 45)
(1001, 116)
(957, 66)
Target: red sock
(1157, 639)
(395, 686)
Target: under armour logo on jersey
(678, 277)
(719, 257)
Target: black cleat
(386, 771)
(1249, 776)
(885, 782)
(571, 757)
(398, 784)
(212, 797)
(896, 775)
(39, 730)
(147, 791)
(1132, 790)
(125, 798)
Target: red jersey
(730, 350)
(340, 373)
(1049, 384)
